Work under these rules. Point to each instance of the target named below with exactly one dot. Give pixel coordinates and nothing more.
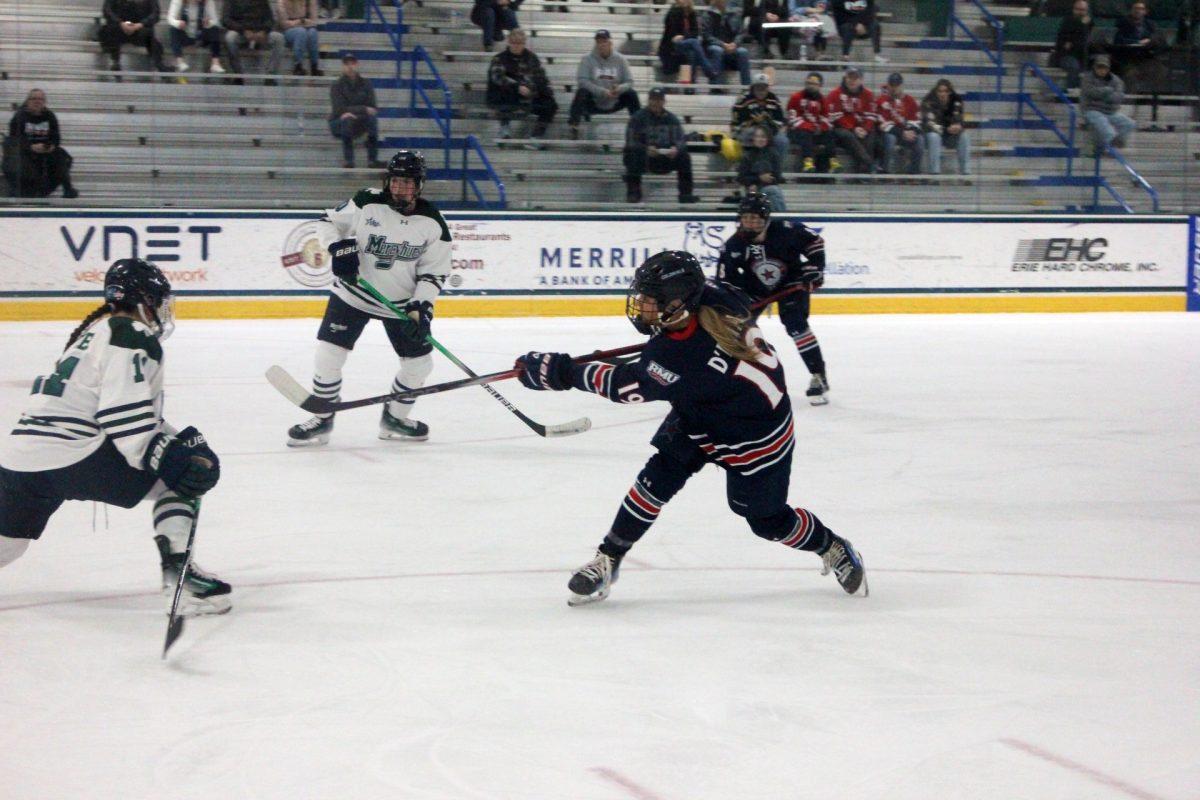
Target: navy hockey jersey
(737, 412)
(762, 269)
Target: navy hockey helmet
(756, 203)
(135, 285)
(665, 290)
(405, 164)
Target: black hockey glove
(545, 371)
(184, 462)
(812, 276)
(344, 259)
(423, 319)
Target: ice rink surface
(1025, 491)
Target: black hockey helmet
(756, 203)
(674, 280)
(133, 284)
(405, 164)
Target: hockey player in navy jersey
(764, 257)
(729, 407)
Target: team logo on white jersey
(373, 223)
(379, 246)
(661, 374)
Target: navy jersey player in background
(764, 257)
(729, 407)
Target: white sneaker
(181, 65)
(215, 68)
(879, 59)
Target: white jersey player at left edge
(93, 429)
(398, 242)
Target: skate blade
(818, 400)
(317, 442)
(587, 599)
(204, 607)
(388, 436)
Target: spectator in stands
(759, 107)
(517, 84)
(852, 113)
(760, 11)
(680, 44)
(494, 17)
(354, 113)
(900, 124)
(604, 84)
(35, 163)
(250, 23)
(719, 35)
(816, 37)
(942, 119)
(655, 143)
(194, 22)
(1137, 45)
(130, 22)
(298, 18)
(1071, 45)
(331, 9)
(1100, 96)
(761, 169)
(855, 19)
(809, 128)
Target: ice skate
(311, 433)
(818, 390)
(203, 593)
(592, 582)
(847, 566)
(394, 428)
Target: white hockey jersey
(404, 256)
(108, 384)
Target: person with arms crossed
(398, 242)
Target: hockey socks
(659, 481)
(809, 349)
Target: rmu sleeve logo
(661, 374)
(385, 251)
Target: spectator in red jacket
(851, 111)
(900, 125)
(808, 126)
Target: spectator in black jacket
(354, 113)
(1071, 45)
(517, 84)
(35, 163)
(130, 22)
(942, 118)
(760, 11)
(757, 108)
(719, 36)
(856, 20)
(655, 143)
(761, 169)
(494, 17)
(681, 44)
(1137, 45)
(251, 23)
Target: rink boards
(269, 264)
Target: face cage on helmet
(634, 312)
(387, 188)
(161, 320)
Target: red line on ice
(1082, 769)
(640, 792)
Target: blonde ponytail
(729, 331)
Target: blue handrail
(395, 30)
(441, 116)
(471, 144)
(1024, 99)
(996, 57)
(1138, 180)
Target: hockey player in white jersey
(93, 430)
(399, 243)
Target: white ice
(1025, 490)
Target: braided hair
(87, 321)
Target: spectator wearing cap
(808, 126)
(604, 84)
(517, 84)
(130, 22)
(251, 24)
(855, 19)
(760, 108)
(1100, 96)
(354, 113)
(853, 115)
(719, 35)
(494, 17)
(942, 119)
(761, 168)
(298, 18)
(680, 44)
(900, 124)
(655, 143)
(194, 22)
(1072, 42)
(34, 161)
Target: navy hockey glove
(811, 276)
(545, 371)
(184, 462)
(344, 259)
(420, 313)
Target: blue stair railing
(996, 56)
(1026, 99)
(1138, 181)
(472, 145)
(441, 115)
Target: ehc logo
(1061, 249)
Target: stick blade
(581, 425)
(174, 630)
(290, 388)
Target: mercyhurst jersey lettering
(107, 384)
(404, 256)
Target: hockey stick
(547, 431)
(174, 619)
(287, 386)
